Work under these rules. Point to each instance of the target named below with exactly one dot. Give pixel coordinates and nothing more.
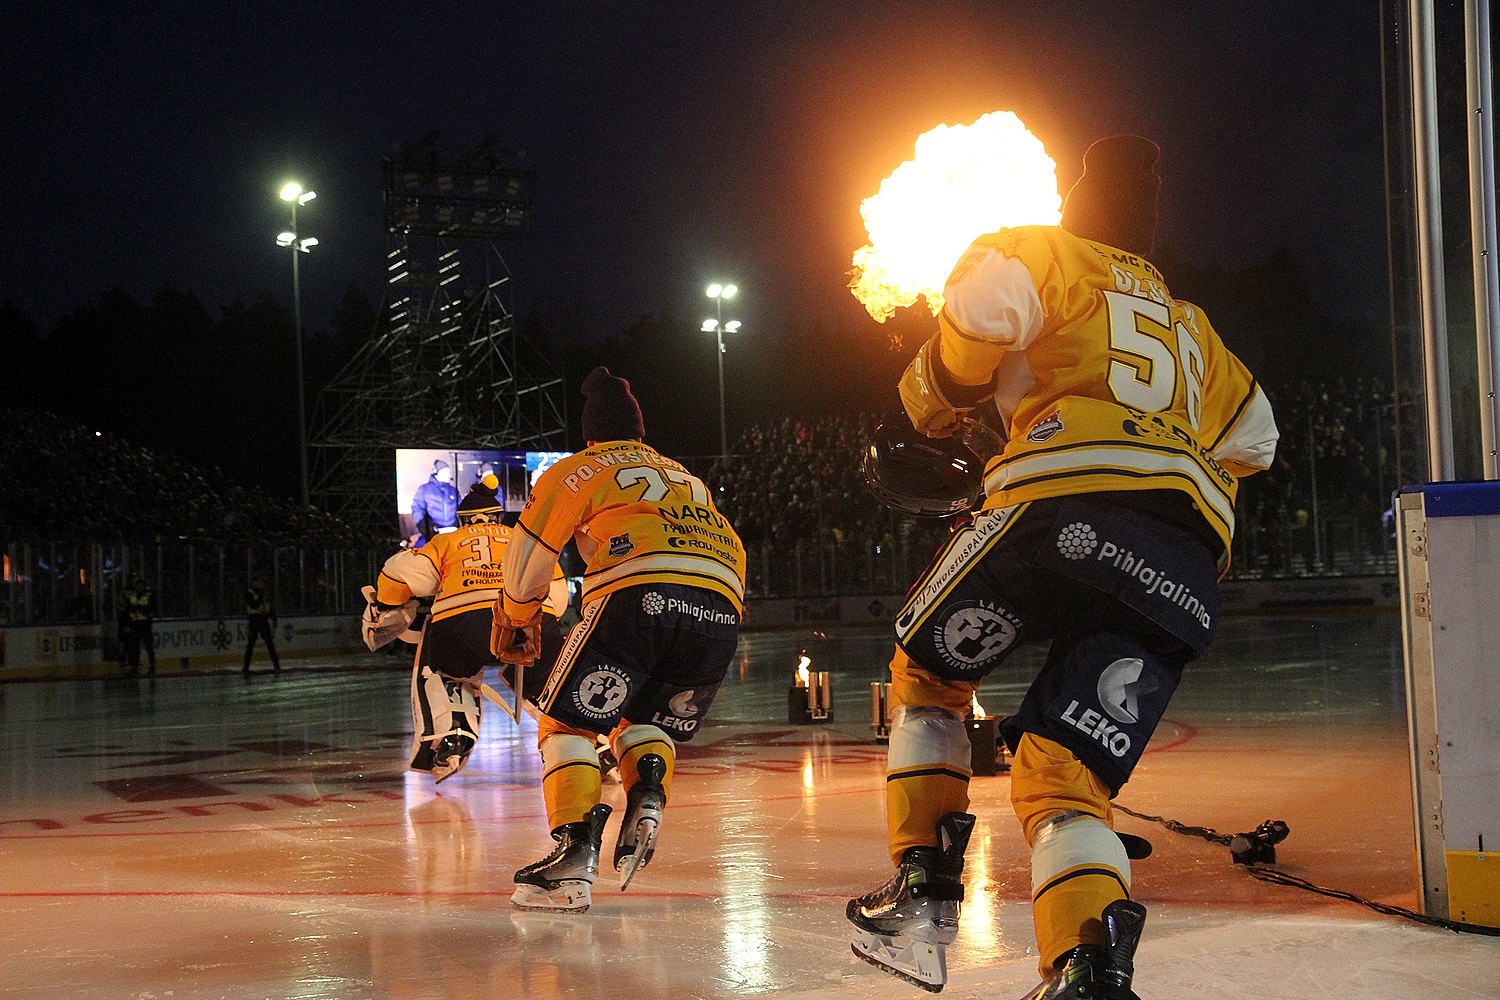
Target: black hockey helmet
(915, 474)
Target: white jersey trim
(664, 563)
(997, 302)
(1252, 439)
(1101, 460)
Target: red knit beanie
(610, 412)
(1114, 202)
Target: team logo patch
(601, 692)
(973, 634)
(621, 545)
(1077, 541)
(653, 603)
(1046, 428)
(1121, 687)
(682, 704)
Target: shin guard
(928, 768)
(570, 778)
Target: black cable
(1273, 831)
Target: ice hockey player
(460, 569)
(663, 593)
(1105, 526)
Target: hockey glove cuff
(934, 402)
(512, 641)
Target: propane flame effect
(804, 678)
(965, 181)
(976, 709)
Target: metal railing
(43, 582)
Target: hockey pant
(1078, 864)
(570, 764)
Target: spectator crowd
(63, 480)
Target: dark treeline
(214, 386)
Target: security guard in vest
(139, 613)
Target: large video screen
(431, 481)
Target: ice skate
(643, 805)
(1097, 972)
(563, 879)
(905, 926)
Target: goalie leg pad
(445, 722)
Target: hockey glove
(933, 401)
(515, 642)
(381, 624)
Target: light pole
(719, 292)
(293, 194)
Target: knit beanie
(610, 412)
(1114, 202)
(481, 500)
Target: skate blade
(645, 842)
(920, 963)
(569, 897)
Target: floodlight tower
(293, 193)
(719, 291)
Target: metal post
(1430, 241)
(1482, 223)
(719, 336)
(1317, 518)
(297, 327)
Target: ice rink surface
(212, 836)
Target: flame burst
(965, 181)
(976, 709)
(804, 677)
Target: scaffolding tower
(445, 366)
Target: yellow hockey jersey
(637, 517)
(1104, 381)
(462, 570)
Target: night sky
(675, 143)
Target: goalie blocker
(446, 687)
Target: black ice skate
(562, 880)
(1096, 972)
(643, 806)
(905, 926)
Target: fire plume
(804, 677)
(965, 181)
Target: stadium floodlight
(719, 291)
(295, 195)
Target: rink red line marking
(318, 827)
(1188, 735)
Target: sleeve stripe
(1235, 418)
(537, 538)
(1078, 873)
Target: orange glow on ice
(965, 181)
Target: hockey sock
(632, 743)
(570, 778)
(927, 776)
(1078, 865)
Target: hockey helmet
(914, 474)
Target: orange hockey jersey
(637, 517)
(1105, 381)
(462, 570)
